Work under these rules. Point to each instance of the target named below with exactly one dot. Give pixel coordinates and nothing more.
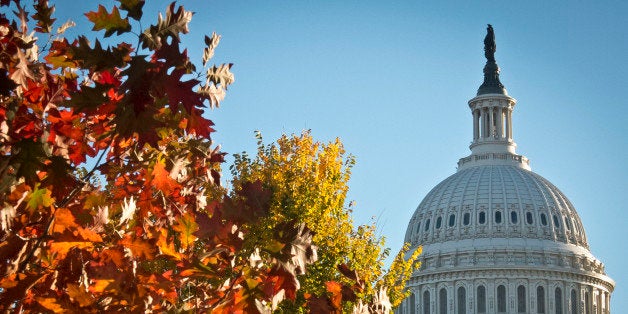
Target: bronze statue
(491, 84)
(489, 44)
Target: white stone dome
(495, 202)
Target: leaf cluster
(148, 228)
(308, 181)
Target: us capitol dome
(497, 237)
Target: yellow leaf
(51, 304)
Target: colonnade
(501, 296)
(492, 123)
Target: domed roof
(496, 202)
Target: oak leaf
(110, 22)
(161, 180)
(78, 294)
(139, 247)
(170, 26)
(186, 227)
(133, 8)
(43, 16)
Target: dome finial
(489, 44)
(491, 84)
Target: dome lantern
(492, 118)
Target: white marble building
(497, 237)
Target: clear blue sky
(392, 80)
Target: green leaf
(40, 198)
(133, 8)
(98, 58)
(89, 97)
(29, 159)
(111, 23)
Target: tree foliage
(147, 228)
(309, 183)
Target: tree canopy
(147, 226)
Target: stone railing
(494, 156)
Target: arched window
(427, 224)
(462, 301)
(412, 304)
(574, 302)
(558, 299)
(442, 301)
(501, 299)
(481, 299)
(521, 299)
(482, 218)
(529, 218)
(540, 300)
(418, 228)
(587, 303)
(452, 220)
(439, 222)
(543, 220)
(556, 222)
(513, 217)
(567, 223)
(466, 219)
(498, 217)
(426, 302)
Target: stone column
(491, 121)
(500, 123)
(476, 124)
(510, 125)
(484, 123)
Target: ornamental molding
(488, 277)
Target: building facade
(497, 237)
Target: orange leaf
(63, 219)
(50, 304)
(140, 248)
(100, 285)
(78, 294)
(63, 247)
(167, 247)
(88, 235)
(160, 178)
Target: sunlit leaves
(220, 75)
(173, 24)
(110, 22)
(41, 197)
(211, 44)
